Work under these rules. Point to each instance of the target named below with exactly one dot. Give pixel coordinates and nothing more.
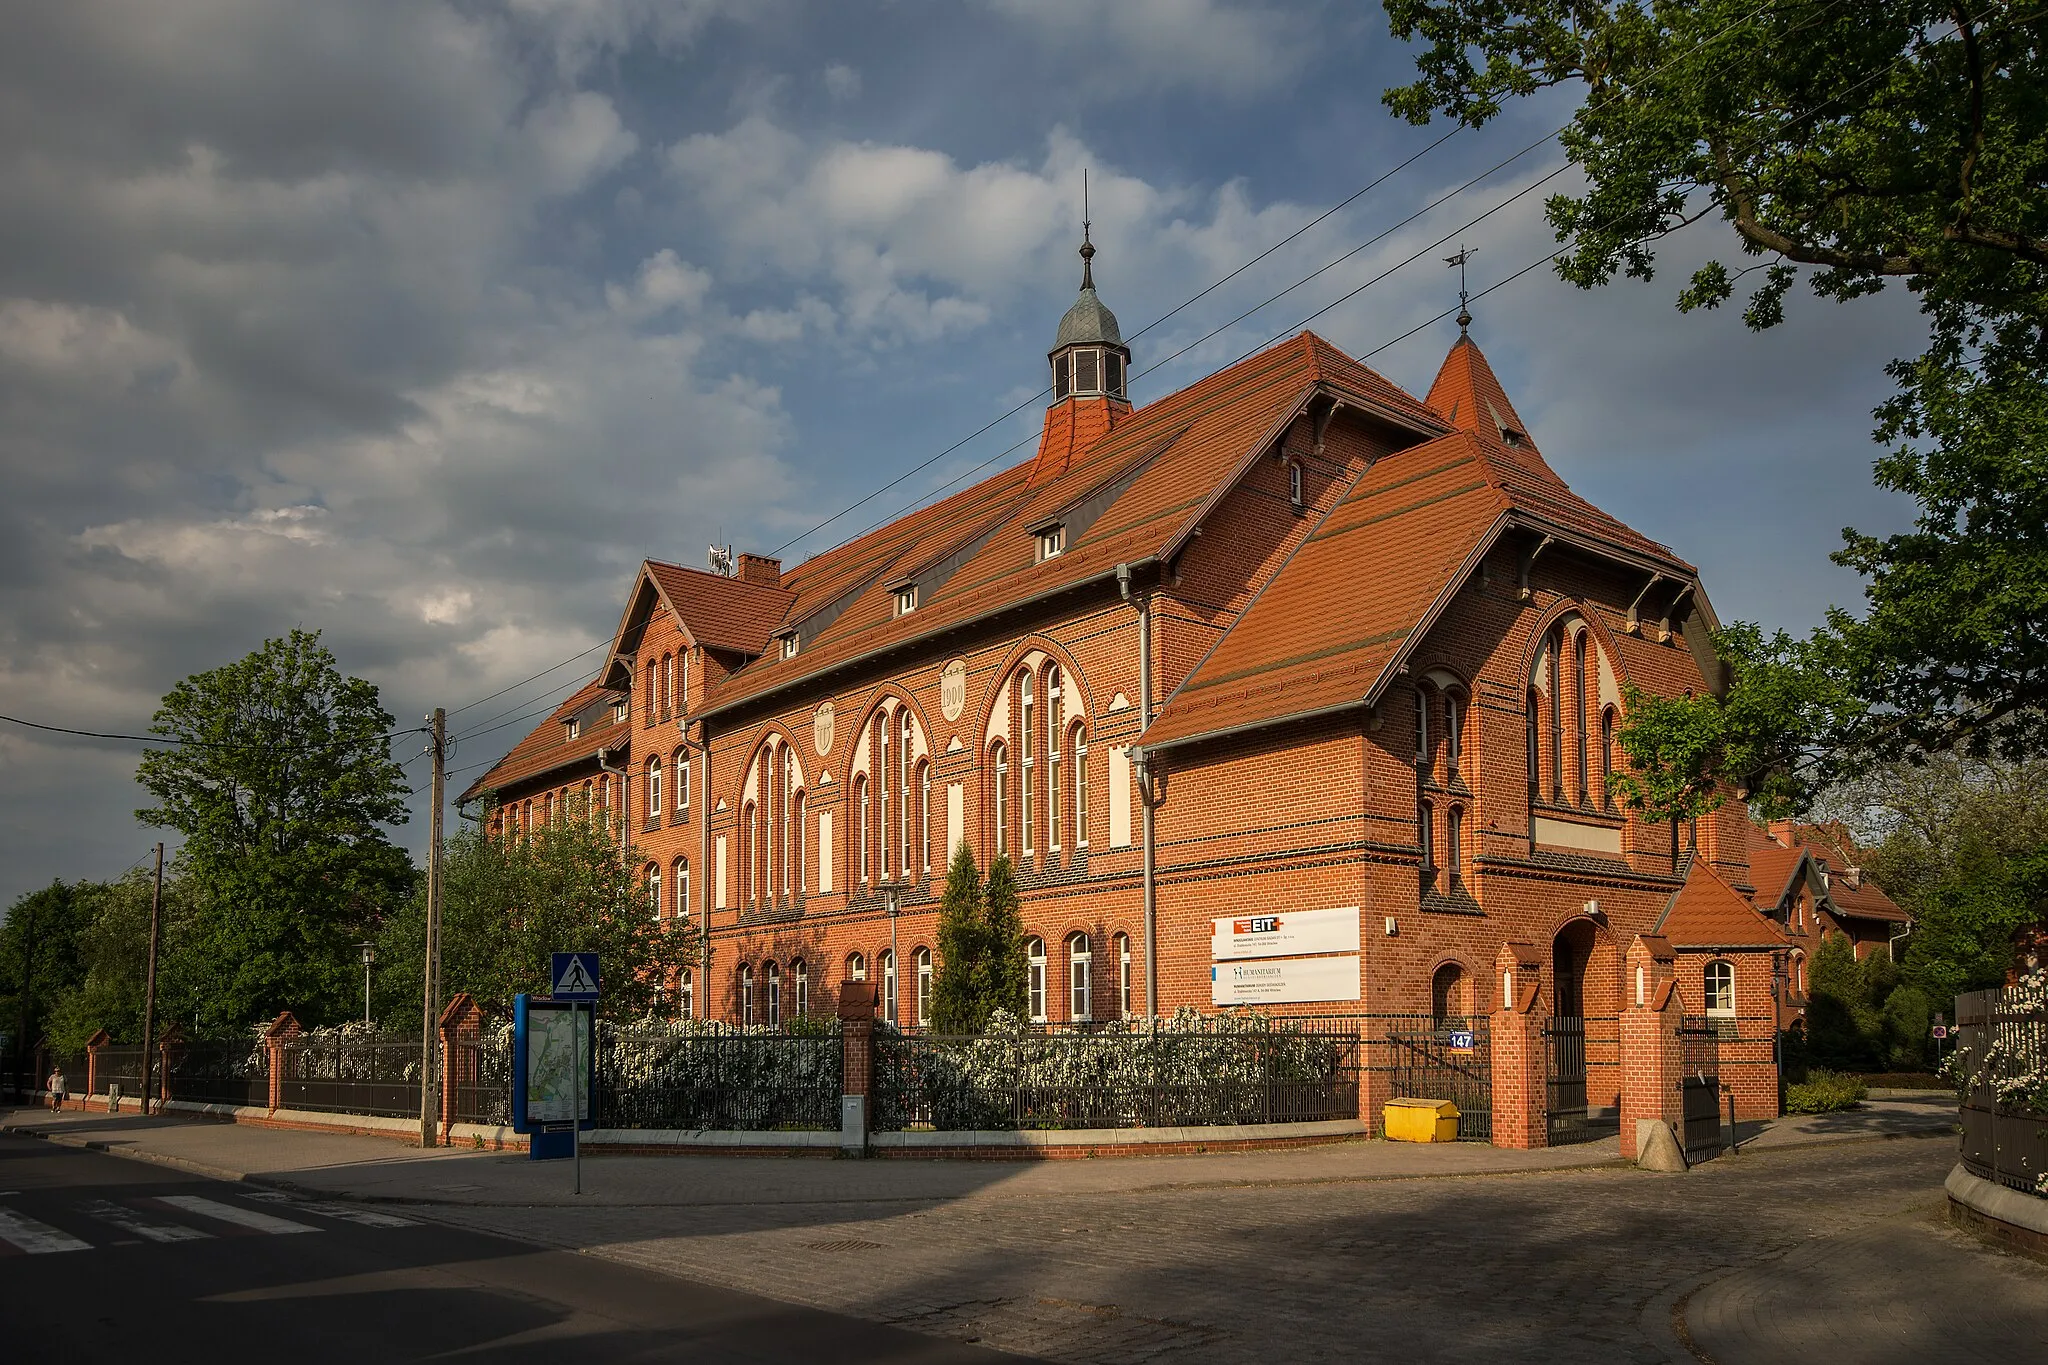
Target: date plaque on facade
(953, 689)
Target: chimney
(1781, 833)
(761, 569)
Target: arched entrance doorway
(1582, 1039)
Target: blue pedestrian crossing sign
(574, 976)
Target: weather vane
(1465, 254)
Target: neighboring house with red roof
(1809, 880)
(1289, 640)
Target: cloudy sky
(422, 323)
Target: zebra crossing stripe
(228, 1213)
(368, 1218)
(36, 1239)
(128, 1220)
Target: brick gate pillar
(1650, 1056)
(99, 1039)
(857, 1065)
(169, 1049)
(1520, 1066)
(281, 1031)
(461, 1029)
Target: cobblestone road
(1584, 1265)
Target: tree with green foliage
(39, 960)
(507, 904)
(957, 1005)
(281, 779)
(113, 960)
(1853, 145)
(1840, 1022)
(1005, 984)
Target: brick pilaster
(281, 1031)
(857, 1052)
(92, 1060)
(1520, 1068)
(1650, 1049)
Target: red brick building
(1289, 640)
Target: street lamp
(369, 956)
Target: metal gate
(1573, 1052)
(1451, 1061)
(1700, 1088)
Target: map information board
(551, 1051)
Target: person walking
(57, 1095)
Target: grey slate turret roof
(1089, 320)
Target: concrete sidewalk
(373, 1168)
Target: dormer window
(906, 599)
(1512, 438)
(1051, 541)
(1294, 489)
(571, 728)
(789, 645)
(618, 713)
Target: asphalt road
(105, 1259)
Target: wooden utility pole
(429, 1118)
(156, 913)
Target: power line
(534, 678)
(182, 743)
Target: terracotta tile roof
(1771, 869)
(1313, 640)
(1864, 901)
(724, 613)
(544, 750)
(1836, 847)
(1468, 396)
(1708, 913)
(1163, 462)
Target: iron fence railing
(756, 1081)
(1445, 1058)
(1114, 1078)
(478, 1074)
(215, 1072)
(120, 1064)
(376, 1074)
(2001, 1069)
(1699, 1084)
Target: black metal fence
(479, 1079)
(233, 1072)
(375, 1074)
(2001, 1069)
(1583, 1080)
(1116, 1077)
(678, 1078)
(1699, 1084)
(1444, 1058)
(120, 1064)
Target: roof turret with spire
(1090, 367)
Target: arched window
(1447, 993)
(799, 873)
(547, 809)
(1799, 973)
(1052, 757)
(1081, 976)
(654, 891)
(1425, 836)
(1027, 760)
(1080, 785)
(856, 967)
(604, 801)
(668, 685)
(1607, 757)
(648, 673)
(1454, 733)
(1454, 845)
(771, 983)
(800, 985)
(1557, 642)
(1579, 714)
(681, 871)
(860, 784)
(747, 887)
(924, 812)
(888, 961)
(1123, 975)
(921, 959)
(746, 993)
(787, 838)
(1000, 759)
(686, 994)
(1720, 990)
(682, 767)
(1535, 762)
(906, 817)
(653, 788)
(1034, 968)
(881, 733)
(1422, 727)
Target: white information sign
(1284, 981)
(1285, 933)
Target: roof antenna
(1465, 254)
(1087, 247)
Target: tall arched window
(682, 888)
(747, 886)
(792, 824)
(856, 967)
(653, 788)
(1447, 993)
(860, 785)
(746, 993)
(800, 873)
(1425, 836)
(668, 685)
(1422, 727)
(1027, 760)
(1081, 976)
(1123, 975)
(1454, 845)
(881, 732)
(654, 891)
(906, 864)
(1607, 757)
(682, 767)
(1557, 643)
(1454, 734)
(1080, 785)
(686, 994)
(1034, 973)
(1720, 990)
(921, 960)
(888, 961)
(1052, 757)
(771, 981)
(800, 983)
(1535, 762)
(924, 812)
(1000, 760)
(547, 809)
(648, 673)
(1579, 714)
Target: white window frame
(800, 978)
(682, 766)
(1123, 974)
(906, 599)
(1081, 978)
(888, 961)
(1002, 801)
(654, 889)
(921, 959)
(1294, 485)
(654, 786)
(1725, 970)
(1027, 694)
(1034, 970)
(771, 992)
(746, 993)
(682, 888)
(1052, 542)
(1053, 731)
(856, 966)
(686, 993)
(573, 728)
(1081, 785)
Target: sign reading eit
(1292, 934)
(1257, 924)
